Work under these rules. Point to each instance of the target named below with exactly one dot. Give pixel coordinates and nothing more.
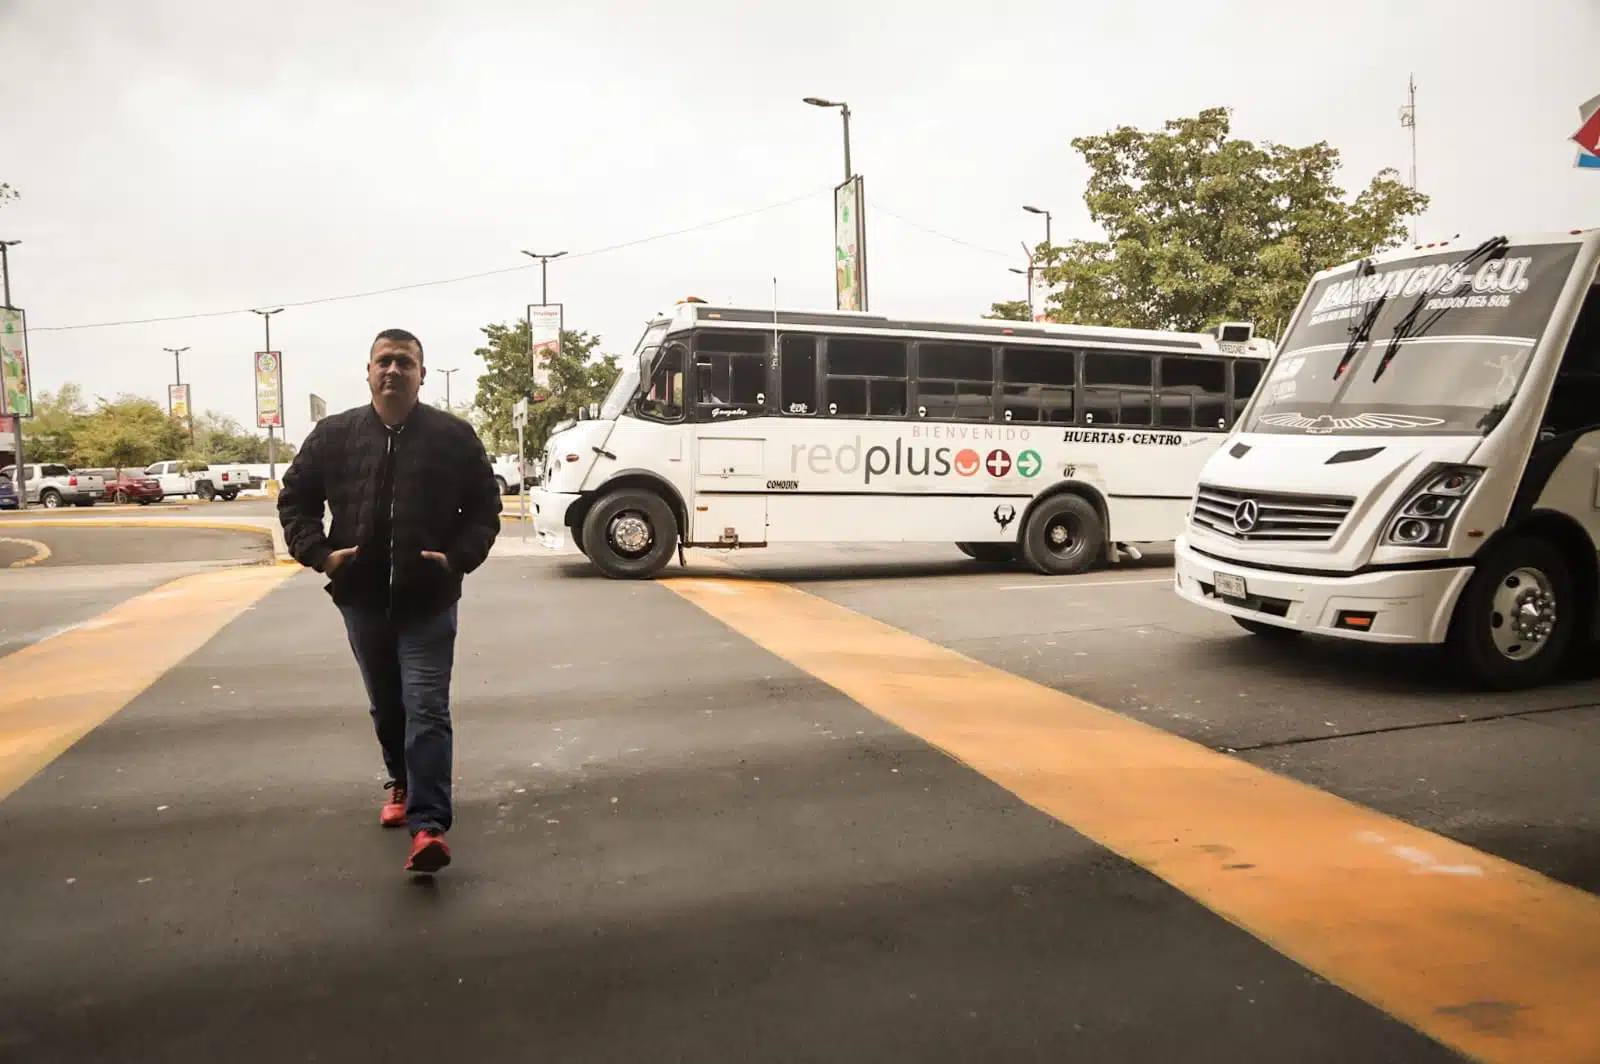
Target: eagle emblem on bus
(1004, 514)
(1324, 424)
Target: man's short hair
(399, 336)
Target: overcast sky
(181, 157)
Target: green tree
(1202, 227)
(131, 431)
(577, 378)
(7, 193)
(57, 418)
(220, 438)
(1010, 310)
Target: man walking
(415, 508)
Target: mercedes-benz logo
(1246, 514)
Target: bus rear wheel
(1515, 619)
(1064, 535)
(989, 553)
(630, 534)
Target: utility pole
(272, 440)
(177, 378)
(544, 277)
(1028, 273)
(447, 373)
(16, 419)
(1408, 120)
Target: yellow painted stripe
(1485, 956)
(137, 522)
(59, 689)
(40, 551)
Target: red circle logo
(998, 463)
(967, 463)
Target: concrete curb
(272, 532)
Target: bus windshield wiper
(1403, 328)
(1362, 330)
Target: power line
(878, 208)
(442, 281)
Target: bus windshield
(627, 382)
(1435, 345)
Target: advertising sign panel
(269, 389)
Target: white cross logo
(999, 463)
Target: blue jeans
(406, 665)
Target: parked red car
(130, 485)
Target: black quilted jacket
(445, 499)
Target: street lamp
(5, 271)
(1028, 273)
(1041, 210)
(544, 265)
(447, 373)
(272, 439)
(844, 110)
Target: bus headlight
(1429, 510)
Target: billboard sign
(850, 245)
(178, 404)
(16, 387)
(1588, 135)
(269, 389)
(319, 408)
(544, 342)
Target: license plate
(1230, 586)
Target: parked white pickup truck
(52, 486)
(199, 479)
(507, 474)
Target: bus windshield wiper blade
(1403, 328)
(1362, 330)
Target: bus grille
(1268, 515)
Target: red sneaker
(394, 810)
(428, 852)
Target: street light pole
(844, 111)
(272, 439)
(1041, 210)
(544, 278)
(16, 419)
(447, 373)
(1028, 273)
(177, 378)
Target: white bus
(1050, 444)
(1422, 464)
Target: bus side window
(1119, 388)
(664, 399)
(1246, 379)
(730, 369)
(1039, 384)
(955, 382)
(866, 377)
(1194, 393)
(797, 375)
(1575, 397)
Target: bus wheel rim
(1522, 614)
(630, 532)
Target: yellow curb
(127, 522)
(40, 551)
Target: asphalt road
(675, 845)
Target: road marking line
(40, 551)
(1498, 962)
(1064, 584)
(58, 690)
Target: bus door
(729, 505)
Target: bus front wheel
(1515, 619)
(1064, 535)
(630, 534)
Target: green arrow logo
(1028, 463)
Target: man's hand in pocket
(337, 559)
(437, 558)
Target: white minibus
(1422, 463)
(734, 427)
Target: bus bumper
(1391, 606)
(550, 520)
